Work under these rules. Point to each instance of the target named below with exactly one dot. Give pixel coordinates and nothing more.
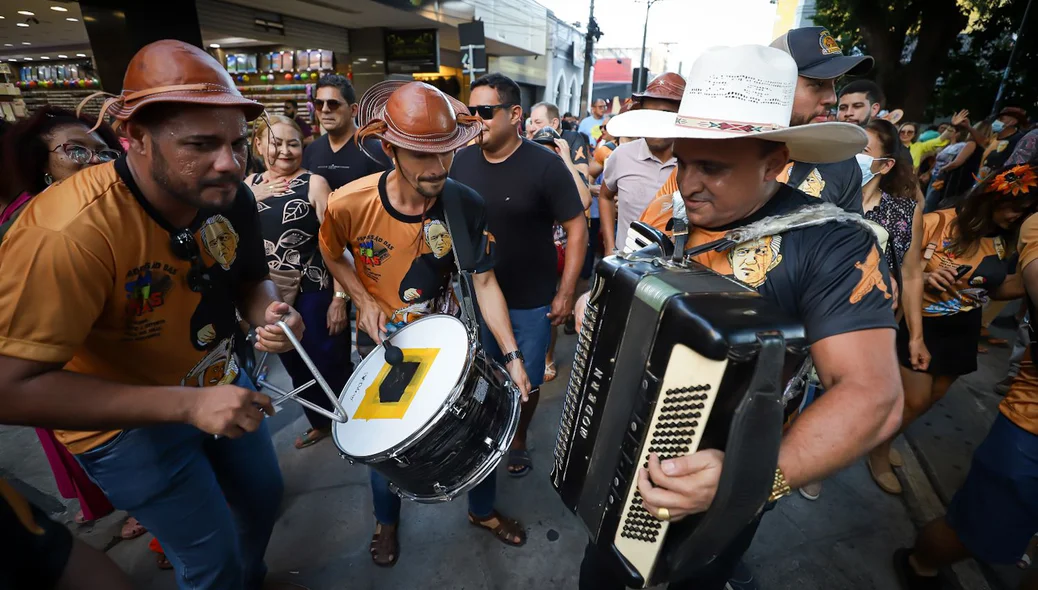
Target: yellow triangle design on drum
(373, 408)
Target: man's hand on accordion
(683, 485)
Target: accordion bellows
(671, 360)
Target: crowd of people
(136, 259)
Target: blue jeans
(532, 330)
(211, 502)
(387, 504)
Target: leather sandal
(506, 530)
(385, 543)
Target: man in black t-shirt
(527, 189)
(831, 277)
(820, 62)
(335, 155)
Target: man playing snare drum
(402, 257)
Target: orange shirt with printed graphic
(89, 281)
(404, 261)
(1020, 405)
(988, 264)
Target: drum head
(387, 405)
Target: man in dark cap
(820, 62)
(118, 320)
(395, 225)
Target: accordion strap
(748, 473)
(807, 216)
(680, 226)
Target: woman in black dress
(292, 202)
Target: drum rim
(410, 440)
(488, 468)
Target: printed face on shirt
(437, 238)
(752, 261)
(220, 240)
(725, 180)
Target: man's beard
(659, 145)
(181, 191)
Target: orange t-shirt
(404, 261)
(988, 262)
(89, 281)
(1021, 403)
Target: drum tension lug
(439, 489)
(458, 411)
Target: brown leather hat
(669, 86)
(177, 72)
(1017, 113)
(416, 116)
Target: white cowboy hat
(744, 91)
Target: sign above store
(412, 51)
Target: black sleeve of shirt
(846, 187)
(578, 149)
(483, 245)
(251, 255)
(560, 190)
(844, 283)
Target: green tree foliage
(936, 56)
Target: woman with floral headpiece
(968, 259)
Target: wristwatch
(515, 354)
(780, 489)
(342, 295)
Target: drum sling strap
(454, 216)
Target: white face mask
(865, 162)
(997, 126)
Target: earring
(48, 179)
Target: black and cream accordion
(672, 359)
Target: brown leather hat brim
(372, 107)
(252, 109)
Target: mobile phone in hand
(962, 270)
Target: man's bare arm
(860, 409)
(607, 217)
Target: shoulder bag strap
(459, 232)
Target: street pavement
(843, 540)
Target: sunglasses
(185, 247)
(486, 111)
(82, 155)
(333, 105)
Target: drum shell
(463, 444)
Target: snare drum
(438, 423)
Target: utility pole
(1009, 65)
(593, 33)
(643, 79)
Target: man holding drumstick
(118, 302)
(402, 257)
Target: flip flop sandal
(132, 529)
(505, 530)
(519, 458)
(80, 518)
(550, 372)
(385, 542)
(311, 437)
